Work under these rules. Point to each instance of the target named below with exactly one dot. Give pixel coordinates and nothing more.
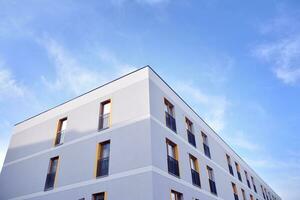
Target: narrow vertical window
(190, 134)
(248, 182)
(105, 115)
(235, 192)
(172, 152)
(243, 194)
(99, 196)
(262, 190)
(229, 164)
(238, 171)
(50, 179)
(266, 194)
(195, 171)
(176, 195)
(60, 133)
(170, 117)
(253, 184)
(205, 145)
(251, 197)
(211, 179)
(103, 159)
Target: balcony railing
(102, 167)
(195, 178)
(49, 184)
(206, 150)
(248, 183)
(191, 138)
(170, 122)
(212, 186)
(104, 121)
(230, 169)
(236, 197)
(239, 176)
(173, 167)
(59, 138)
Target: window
(235, 192)
(253, 183)
(205, 145)
(170, 118)
(237, 166)
(248, 182)
(60, 133)
(266, 194)
(99, 196)
(103, 159)
(105, 115)
(211, 179)
(243, 194)
(176, 195)
(50, 179)
(251, 197)
(262, 190)
(172, 157)
(195, 171)
(189, 129)
(229, 164)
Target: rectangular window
(60, 132)
(205, 145)
(211, 179)
(235, 192)
(99, 196)
(103, 159)
(172, 157)
(253, 184)
(248, 182)
(229, 164)
(243, 194)
(50, 179)
(170, 117)
(251, 197)
(190, 134)
(238, 171)
(176, 195)
(105, 115)
(262, 190)
(195, 171)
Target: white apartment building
(133, 138)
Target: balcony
(173, 167)
(49, 184)
(236, 197)
(195, 178)
(230, 169)
(212, 186)
(191, 138)
(239, 176)
(104, 121)
(102, 167)
(59, 138)
(170, 122)
(206, 150)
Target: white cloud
(75, 77)
(9, 87)
(241, 140)
(215, 105)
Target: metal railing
(212, 186)
(206, 150)
(173, 167)
(170, 122)
(49, 184)
(104, 121)
(195, 178)
(59, 138)
(191, 138)
(230, 169)
(102, 167)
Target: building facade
(132, 139)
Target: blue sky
(236, 62)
